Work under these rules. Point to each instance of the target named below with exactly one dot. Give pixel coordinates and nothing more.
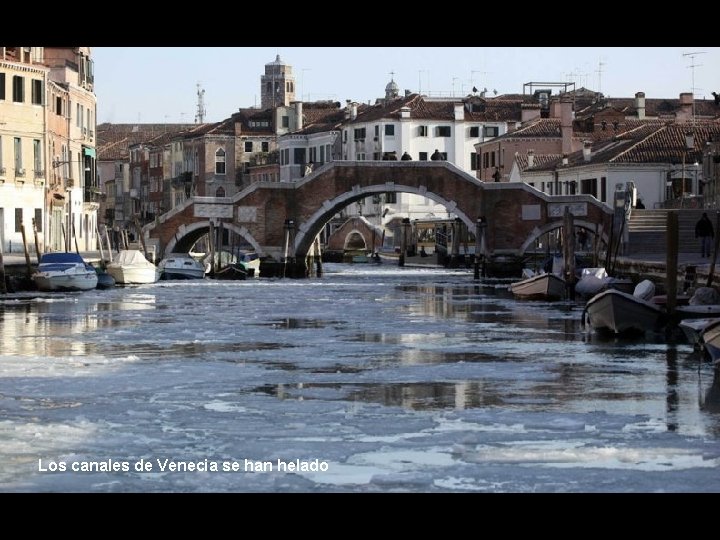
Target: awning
(89, 151)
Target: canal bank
(692, 270)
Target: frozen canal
(369, 379)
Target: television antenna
(692, 66)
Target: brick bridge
(516, 213)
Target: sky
(160, 84)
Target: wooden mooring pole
(671, 265)
(27, 253)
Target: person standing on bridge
(704, 230)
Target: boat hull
(50, 282)
(540, 287)
(618, 312)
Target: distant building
(277, 85)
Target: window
(220, 192)
(474, 161)
(345, 136)
(37, 92)
(265, 146)
(18, 154)
(78, 114)
(442, 131)
(423, 156)
(38, 219)
(298, 156)
(377, 156)
(603, 189)
(58, 106)
(2, 86)
(361, 157)
(422, 131)
(391, 197)
(490, 131)
(248, 146)
(443, 155)
(389, 130)
(18, 89)
(220, 161)
(322, 155)
(486, 160)
(588, 186)
(492, 159)
(37, 157)
(18, 219)
(285, 121)
(359, 134)
(475, 131)
(377, 131)
(287, 156)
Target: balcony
(93, 194)
(39, 177)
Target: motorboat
(618, 312)
(250, 262)
(542, 286)
(130, 267)
(64, 271)
(181, 266)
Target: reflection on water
(410, 341)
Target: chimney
(529, 111)
(640, 105)
(686, 106)
(555, 111)
(347, 109)
(405, 112)
(531, 158)
(587, 151)
(566, 124)
(459, 111)
(353, 111)
(565, 159)
(299, 115)
(407, 93)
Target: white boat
(130, 267)
(543, 286)
(619, 312)
(64, 271)
(250, 261)
(181, 266)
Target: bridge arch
(314, 224)
(539, 232)
(187, 235)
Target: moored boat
(130, 267)
(181, 266)
(544, 286)
(64, 271)
(620, 313)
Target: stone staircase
(647, 231)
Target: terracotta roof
(114, 140)
(538, 162)
(650, 142)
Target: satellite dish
(494, 91)
(474, 89)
